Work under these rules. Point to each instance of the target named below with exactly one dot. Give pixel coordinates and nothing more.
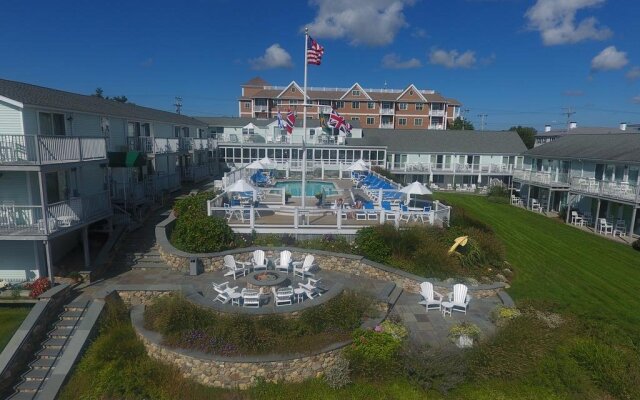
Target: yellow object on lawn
(460, 241)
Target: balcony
(153, 145)
(449, 168)
(196, 173)
(386, 125)
(436, 126)
(62, 216)
(387, 111)
(554, 179)
(45, 150)
(616, 190)
(257, 108)
(437, 113)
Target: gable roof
(439, 141)
(57, 99)
(619, 147)
(285, 91)
(415, 90)
(587, 130)
(362, 91)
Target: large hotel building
(409, 108)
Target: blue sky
(518, 61)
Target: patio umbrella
(415, 188)
(256, 165)
(358, 166)
(267, 163)
(241, 186)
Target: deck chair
(283, 263)
(236, 268)
(259, 261)
(303, 269)
(459, 298)
(430, 298)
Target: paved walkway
(139, 248)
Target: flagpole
(304, 123)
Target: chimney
(547, 128)
(573, 125)
(623, 126)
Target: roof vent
(623, 126)
(573, 125)
(547, 128)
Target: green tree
(526, 133)
(120, 99)
(460, 124)
(99, 93)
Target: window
(324, 102)
(355, 118)
(339, 104)
(402, 121)
(417, 122)
(145, 129)
(371, 105)
(293, 90)
(133, 129)
(403, 106)
(52, 124)
(411, 92)
(293, 102)
(278, 102)
(371, 121)
(419, 106)
(247, 105)
(355, 104)
(176, 131)
(185, 131)
(355, 92)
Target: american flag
(290, 122)
(314, 52)
(337, 122)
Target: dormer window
(355, 92)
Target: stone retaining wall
(346, 263)
(228, 372)
(144, 297)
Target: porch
(17, 150)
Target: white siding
(10, 119)
(163, 130)
(91, 179)
(117, 134)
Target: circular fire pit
(265, 280)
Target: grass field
(583, 273)
(10, 320)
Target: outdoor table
(299, 294)
(447, 306)
(235, 298)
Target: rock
(501, 278)
(507, 271)
(472, 281)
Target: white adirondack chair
(459, 298)
(310, 288)
(259, 261)
(283, 296)
(250, 298)
(283, 263)
(303, 269)
(431, 298)
(236, 268)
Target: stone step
(48, 352)
(29, 386)
(395, 295)
(71, 315)
(149, 259)
(60, 333)
(64, 323)
(54, 343)
(43, 363)
(76, 306)
(149, 266)
(35, 375)
(386, 291)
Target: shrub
(371, 243)
(636, 245)
(464, 329)
(439, 368)
(339, 374)
(39, 286)
(374, 354)
(202, 234)
(195, 206)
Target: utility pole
(178, 104)
(482, 117)
(462, 113)
(568, 111)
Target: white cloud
(633, 73)
(392, 61)
(609, 59)
(452, 58)
(419, 33)
(556, 21)
(635, 99)
(274, 57)
(367, 22)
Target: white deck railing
(542, 177)
(458, 168)
(617, 190)
(21, 219)
(37, 149)
(149, 144)
(437, 113)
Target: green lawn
(581, 272)
(10, 319)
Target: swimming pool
(311, 188)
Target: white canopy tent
(415, 188)
(256, 165)
(268, 163)
(241, 186)
(358, 166)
